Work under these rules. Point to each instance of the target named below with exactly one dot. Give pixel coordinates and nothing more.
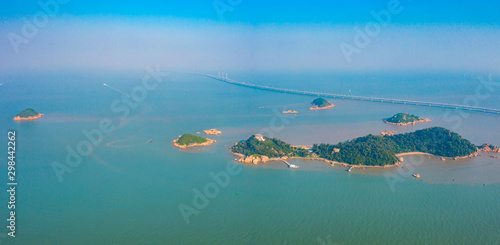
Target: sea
(86, 173)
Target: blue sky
(289, 11)
(252, 35)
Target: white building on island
(260, 137)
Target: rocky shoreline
(212, 131)
(409, 123)
(488, 148)
(263, 159)
(321, 108)
(28, 118)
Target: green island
(28, 114)
(371, 150)
(270, 147)
(403, 119)
(320, 103)
(189, 140)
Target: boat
(349, 170)
(150, 141)
(293, 166)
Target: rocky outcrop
(254, 159)
(416, 176)
(212, 131)
(388, 133)
(489, 148)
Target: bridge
(223, 78)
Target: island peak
(404, 119)
(28, 114)
(189, 140)
(320, 104)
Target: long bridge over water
(358, 98)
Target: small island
(258, 149)
(489, 148)
(367, 151)
(320, 104)
(290, 112)
(404, 119)
(212, 131)
(188, 140)
(28, 114)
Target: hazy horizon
(72, 41)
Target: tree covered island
(188, 140)
(28, 114)
(258, 148)
(320, 103)
(403, 119)
(369, 150)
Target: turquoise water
(128, 192)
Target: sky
(233, 35)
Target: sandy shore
(475, 154)
(28, 118)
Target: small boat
(293, 166)
(349, 170)
(150, 141)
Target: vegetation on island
(320, 103)
(189, 139)
(489, 148)
(270, 147)
(374, 150)
(404, 118)
(28, 113)
(370, 150)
